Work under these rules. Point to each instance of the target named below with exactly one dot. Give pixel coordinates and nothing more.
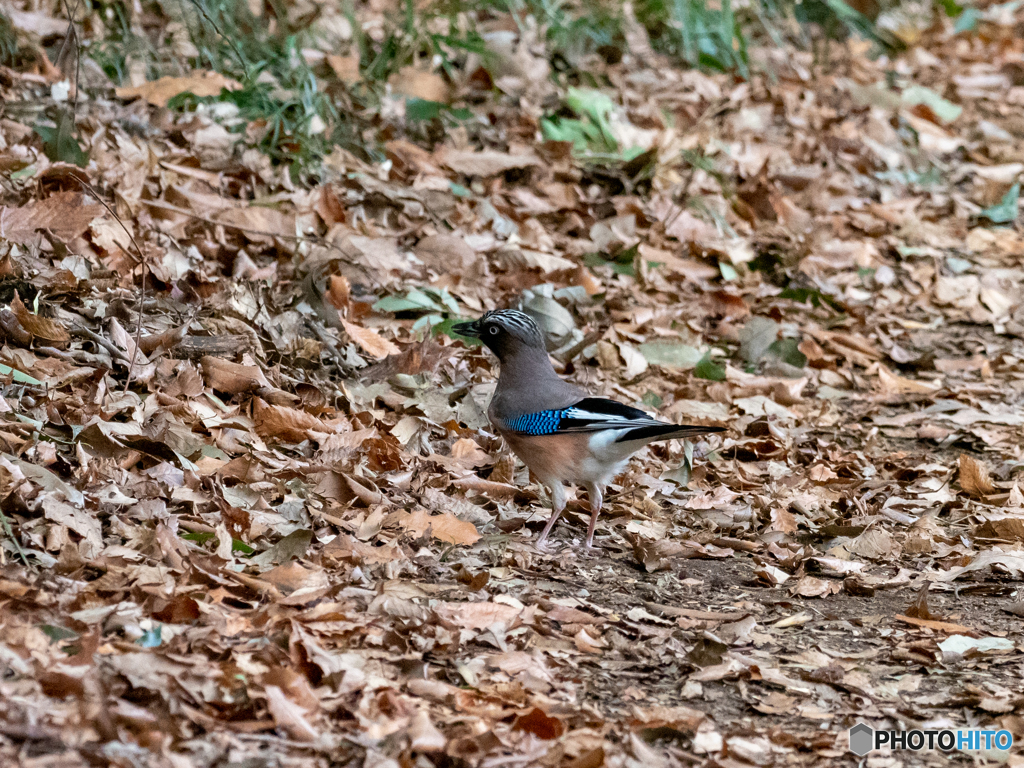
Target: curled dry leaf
(589, 643)
(656, 554)
(482, 615)
(199, 82)
(46, 330)
(900, 385)
(420, 84)
(13, 330)
(166, 340)
(974, 478)
(682, 719)
(233, 378)
(540, 724)
(489, 488)
(283, 423)
(485, 163)
(1001, 526)
(288, 715)
(469, 453)
(338, 292)
(346, 68)
(446, 527)
(345, 547)
(423, 734)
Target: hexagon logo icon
(862, 739)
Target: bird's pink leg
(595, 509)
(557, 505)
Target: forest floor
(254, 515)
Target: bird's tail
(649, 434)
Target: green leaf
(421, 110)
(25, 173)
(945, 110)
(680, 475)
(596, 105)
(591, 135)
(413, 301)
(575, 132)
(426, 324)
(787, 350)
(446, 326)
(708, 369)
(810, 295)
(60, 144)
(652, 400)
(237, 545)
(672, 354)
(1007, 209)
(18, 376)
(57, 634)
(442, 296)
(622, 264)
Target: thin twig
(142, 260)
(112, 348)
(72, 33)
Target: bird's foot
(544, 546)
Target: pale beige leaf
(288, 715)
(899, 385)
(488, 162)
(423, 735)
(346, 68)
(476, 615)
(419, 84)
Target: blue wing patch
(540, 423)
(596, 414)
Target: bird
(556, 428)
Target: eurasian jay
(560, 433)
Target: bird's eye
(494, 330)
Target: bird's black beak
(470, 329)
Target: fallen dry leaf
(288, 530)
(446, 527)
(974, 477)
(199, 82)
(369, 340)
(65, 215)
(477, 615)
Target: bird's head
(504, 332)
